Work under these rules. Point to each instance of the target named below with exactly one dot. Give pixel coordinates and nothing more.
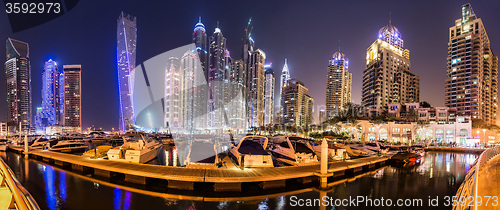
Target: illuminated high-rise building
(174, 103)
(387, 77)
(285, 76)
(237, 110)
(201, 90)
(200, 40)
(338, 86)
(73, 96)
(193, 97)
(296, 103)
(269, 96)
(322, 116)
(18, 82)
(51, 102)
(216, 77)
(126, 36)
(471, 84)
(255, 87)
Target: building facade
(297, 105)
(216, 78)
(255, 86)
(338, 87)
(322, 116)
(51, 101)
(18, 83)
(73, 96)
(471, 84)
(126, 36)
(174, 93)
(269, 97)
(387, 77)
(285, 76)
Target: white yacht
(293, 151)
(136, 150)
(68, 146)
(251, 152)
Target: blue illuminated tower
(125, 52)
(216, 78)
(50, 94)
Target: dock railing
(467, 194)
(21, 199)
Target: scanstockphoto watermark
(365, 201)
(354, 201)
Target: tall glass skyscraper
(18, 82)
(338, 86)
(256, 85)
(126, 36)
(73, 96)
(269, 97)
(50, 94)
(285, 76)
(216, 78)
(471, 83)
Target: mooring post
(25, 146)
(322, 194)
(324, 163)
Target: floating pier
(220, 179)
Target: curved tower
(126, 36)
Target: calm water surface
(439, 174)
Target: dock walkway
(184, 177)
(489, 184)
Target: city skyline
(424, 65)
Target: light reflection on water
(439, 174)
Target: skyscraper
(269, 97)
(471, 83)
(200, 40)
(194, 97)
(338, 87)
(387, 77)
(18, 82)
(174, 107)
(285, 76)
(322, 116)
(237, 111)
(126, 36)
(216, 78)
(73, 96)
(51, 101)
(256, 82)
(297, 104)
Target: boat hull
(142, 156)
(70, 150)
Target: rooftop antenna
(199, 19)
(217, 24)
(390, 13)
(339, 45)
(246, 28)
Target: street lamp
(484, 135)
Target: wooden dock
(229, 179)
(456, 149)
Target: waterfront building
(471, 84)
(322, 116)
(200, 41)
(269, 96)
(387, 77)
(194, 97)
(174, 106)
(73, 96)
(237, 110)
(338, 87)
(51, 101)
(285, 76)
(296, 104)
(18, 85)
(256, 85)
(216, 78)
(200, 92)
(126, 36)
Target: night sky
(307, 33)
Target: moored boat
(251, 152)
(293, 151)
(68, 146)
